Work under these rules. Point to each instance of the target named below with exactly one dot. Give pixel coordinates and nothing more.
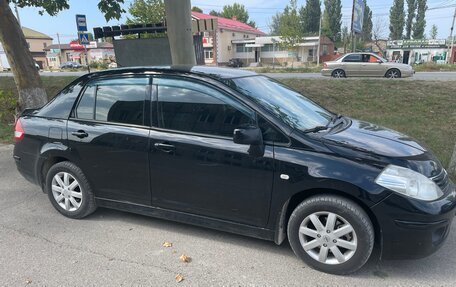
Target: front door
(109, 137)
(195, 166)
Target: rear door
(109, 135)
(352, 65)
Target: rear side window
(115, 100)
(353, 58)
(60, 107)
(192, 107)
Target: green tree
(420, 23)
(397, 20)
(28, 82)
(274, 25)
(146, 11)
(310, 17)
(197, 9)
(366, 34)
(237, 10)
(332, 19)
(214, 13)
(411, 12)
(434, 32)
(290, 31)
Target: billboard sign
(417, 43)
(358, 16)
(81, 23)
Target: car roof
(209, 71)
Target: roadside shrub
(8, 103)
(99, 65)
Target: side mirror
(250, 136)
(379, 61)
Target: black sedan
(239, 152)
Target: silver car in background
(365, 65)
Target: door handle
(165, 147)
(80, 134)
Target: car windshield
(291, 107)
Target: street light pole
(319, 43)
(179, 31)
(452, 39)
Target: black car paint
(171, 167)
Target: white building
(417, 51)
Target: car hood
(373, 139)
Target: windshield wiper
(315, 129)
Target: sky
(260, 11)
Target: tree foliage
(214, 13)
(332, 19)
(290, 30)
(420, 23)
(310, 17)
(146, 11)
(366, 34)
(274, 24)
(197, 9)
(239, 11)
(434, 32)
(397, 20)
(411, 12)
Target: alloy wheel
(338, 74)
(328, 238)
(393, 74)
(66, 191)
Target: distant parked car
(70, 65)
(37, 66)
(365, 65)
(235, 62)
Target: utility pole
(60, 50)
(319, 41)
(179, 30)
(353, 36)
(17, 14)
(451, 50)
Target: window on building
(325, 50)
(208, 54)
(311, 52)
(240, 48)
(192, 107)
(44, 44)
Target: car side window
(115, 100)
(192, 107)
(352, 58)
(271, 133)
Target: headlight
(408, 182)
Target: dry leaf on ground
(167, 244)
(184, 258)
(179, 278)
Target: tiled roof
(229, 24)
(32, 34)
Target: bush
(8, 103)
(99, 65)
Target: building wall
(421, 55)
(36, 46)
(225, 48)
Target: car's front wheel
(393, 74)
(331, 234)
(69, 190)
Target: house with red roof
(218, 45)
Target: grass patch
(433, 67)
(307, 69)
(425, 110)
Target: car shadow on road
(437, 265)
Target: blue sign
(358, 16)
(81, 22)
(84, 38)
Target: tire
(355, 246)
(393, 74)
(338, 74)
(76, 200)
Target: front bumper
(326, 72)
(412, 229)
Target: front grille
(442, 179)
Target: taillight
(18, 131)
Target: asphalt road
(40, 247)
(424, 76)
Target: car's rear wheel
(393, 74)
(69, 190)
(331, 234)
(338, 73)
